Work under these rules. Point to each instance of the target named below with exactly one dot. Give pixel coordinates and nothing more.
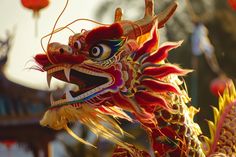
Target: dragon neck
(172, 131)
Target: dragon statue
(120, 67)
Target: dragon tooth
(93, 91)
(63, 101)
(83, 96)
(49, 78)
(78, 97)
(51, 100)
(59, 101)
(69, 96)
(67, 73)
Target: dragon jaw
(93, 75)
(91, 83)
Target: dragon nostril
(76, 45)
(61, 50)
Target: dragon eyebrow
(110, 32)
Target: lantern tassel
(36, 17)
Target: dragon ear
(110, 32)
(134, 29)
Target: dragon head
(111, 68)
(90, 62)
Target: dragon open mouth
(88, 84)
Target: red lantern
(8, 143)
(218, 85)
(232, 4)
(35, 5)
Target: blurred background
(208, 31)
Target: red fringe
(122, 152)
(162, 52)
(113, 31)
(149, 101)
(158, 86)
(148, 45)
(165, 70)
(42, 59)
(122, 102)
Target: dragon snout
(58, 48)
(58, 54)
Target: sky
(15, 18)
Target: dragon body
(121, 67)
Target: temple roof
(18, 104)
(21, 109)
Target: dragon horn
(134, 29)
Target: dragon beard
(99, 123)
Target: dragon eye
(77, 45)
(100, 52)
